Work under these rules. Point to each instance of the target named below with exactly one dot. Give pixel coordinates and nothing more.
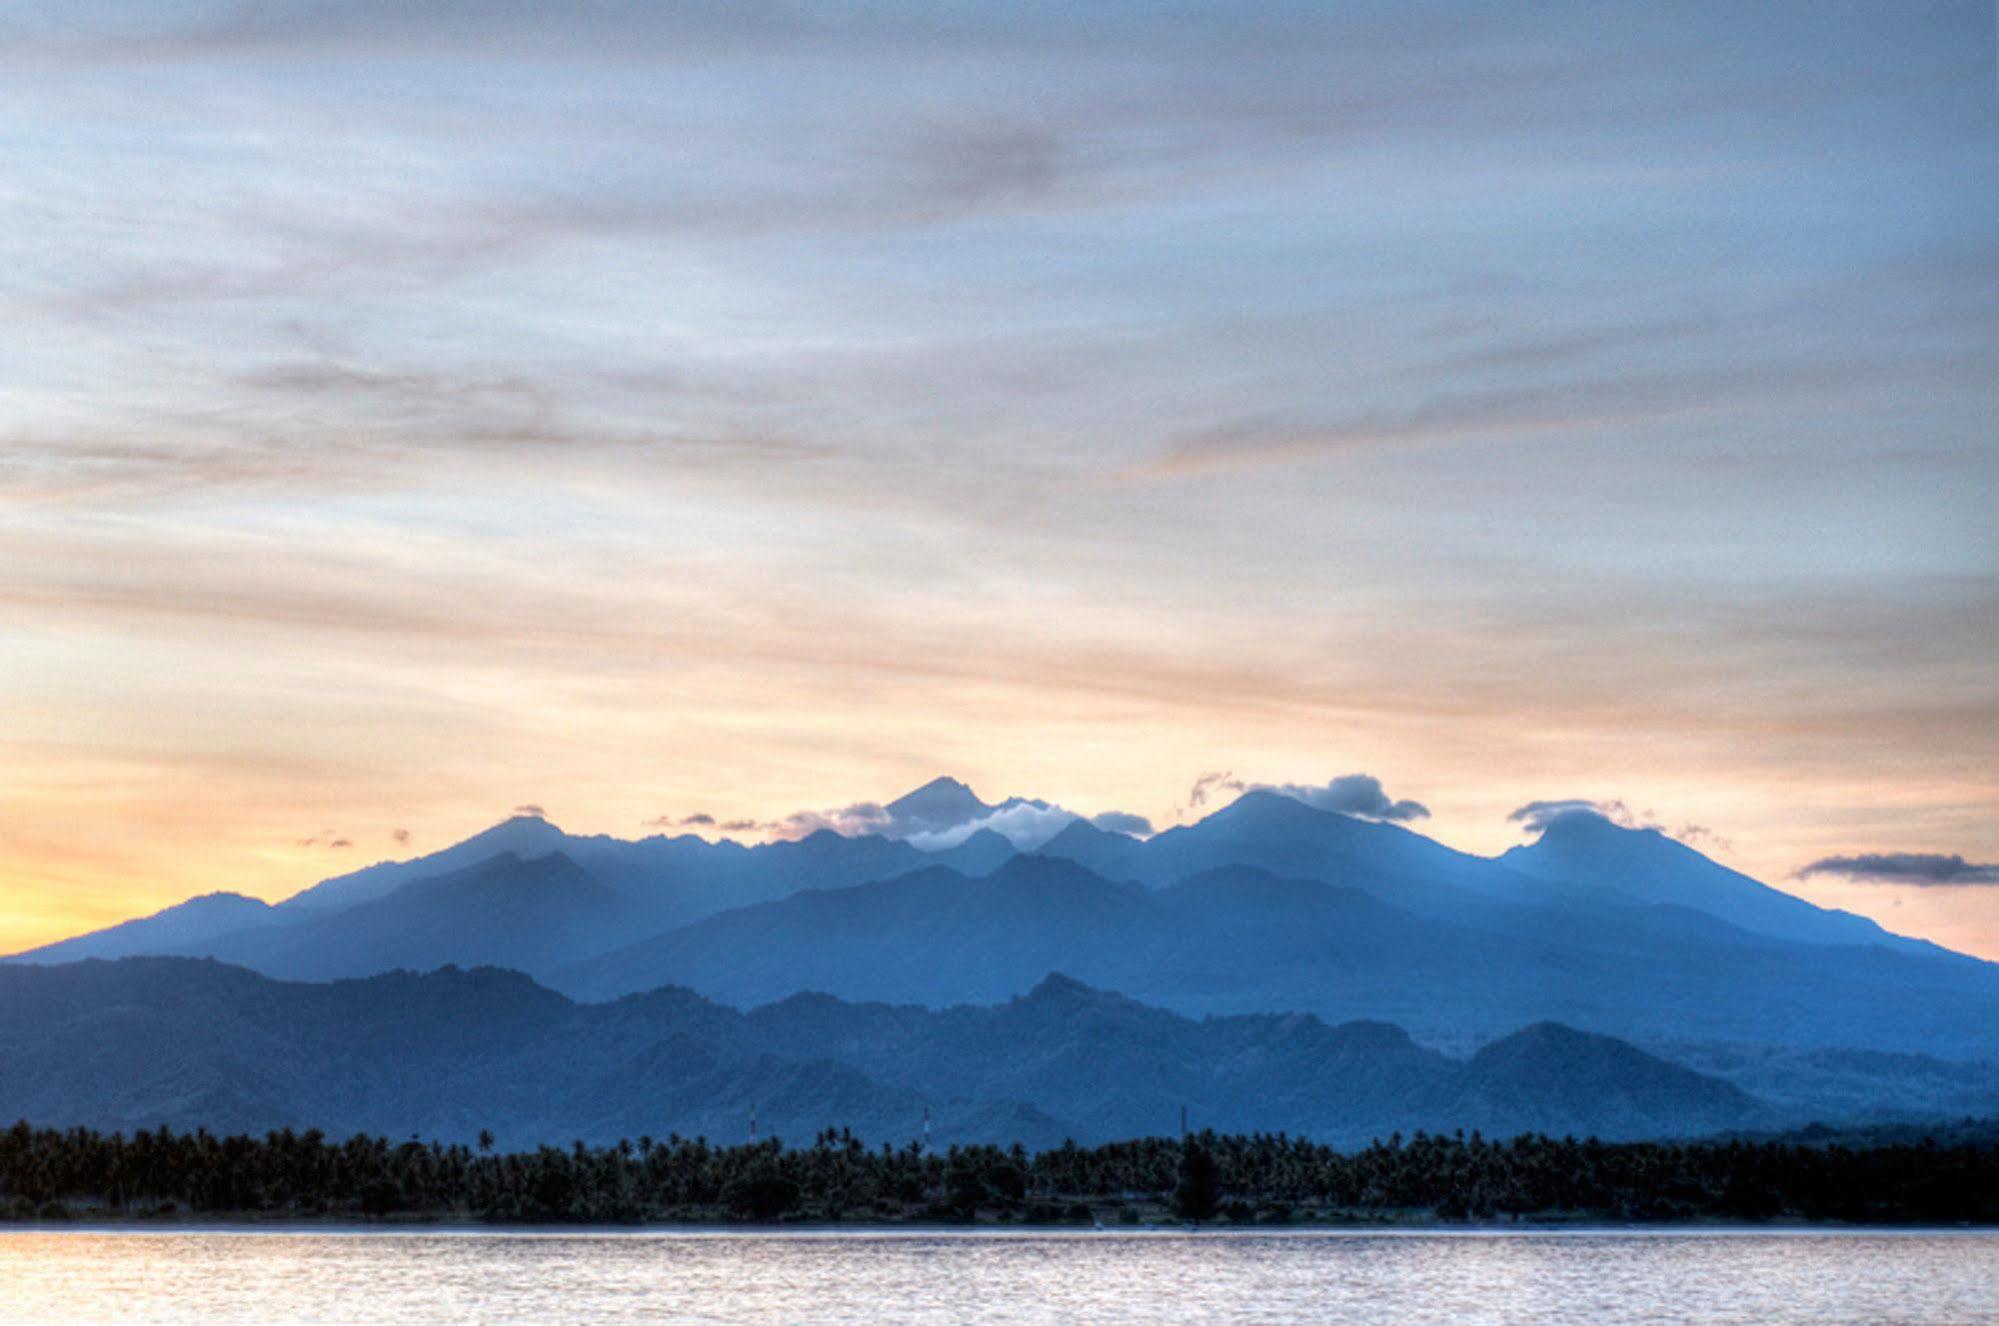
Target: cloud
(1699, 835)
(1359, 794)
(1123, 821)
(1580, 407)
(1537, 816)
(799, 825)
(531, 810)
(402, 837)
(1919, 868)
(700, 819)
(1025, 824)
(1209, 784)
(848, 821)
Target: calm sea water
(1598, 1278)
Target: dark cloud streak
(1123, 821)
(1360, 795)
(1923, 869)
(1538, 816)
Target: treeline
(55, 1174)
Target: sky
(409, 412)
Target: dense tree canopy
(53, 1174)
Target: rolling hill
(195, 1043)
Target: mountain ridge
(1237, 939)
(192, 1042)
(1267, 903)
(677, 879)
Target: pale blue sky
(415, 409)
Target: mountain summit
(942, 803)
(1645, 865)
(525, 836)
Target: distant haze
(710, 419)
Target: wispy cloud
(698, 820)
(1598, 408)
(1209, 786)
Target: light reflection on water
(1599, 1278)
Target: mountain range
(1268, 906)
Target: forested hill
(196, 1043)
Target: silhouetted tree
(762, 1194)
(1200, 1188)
(1890, 1178)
